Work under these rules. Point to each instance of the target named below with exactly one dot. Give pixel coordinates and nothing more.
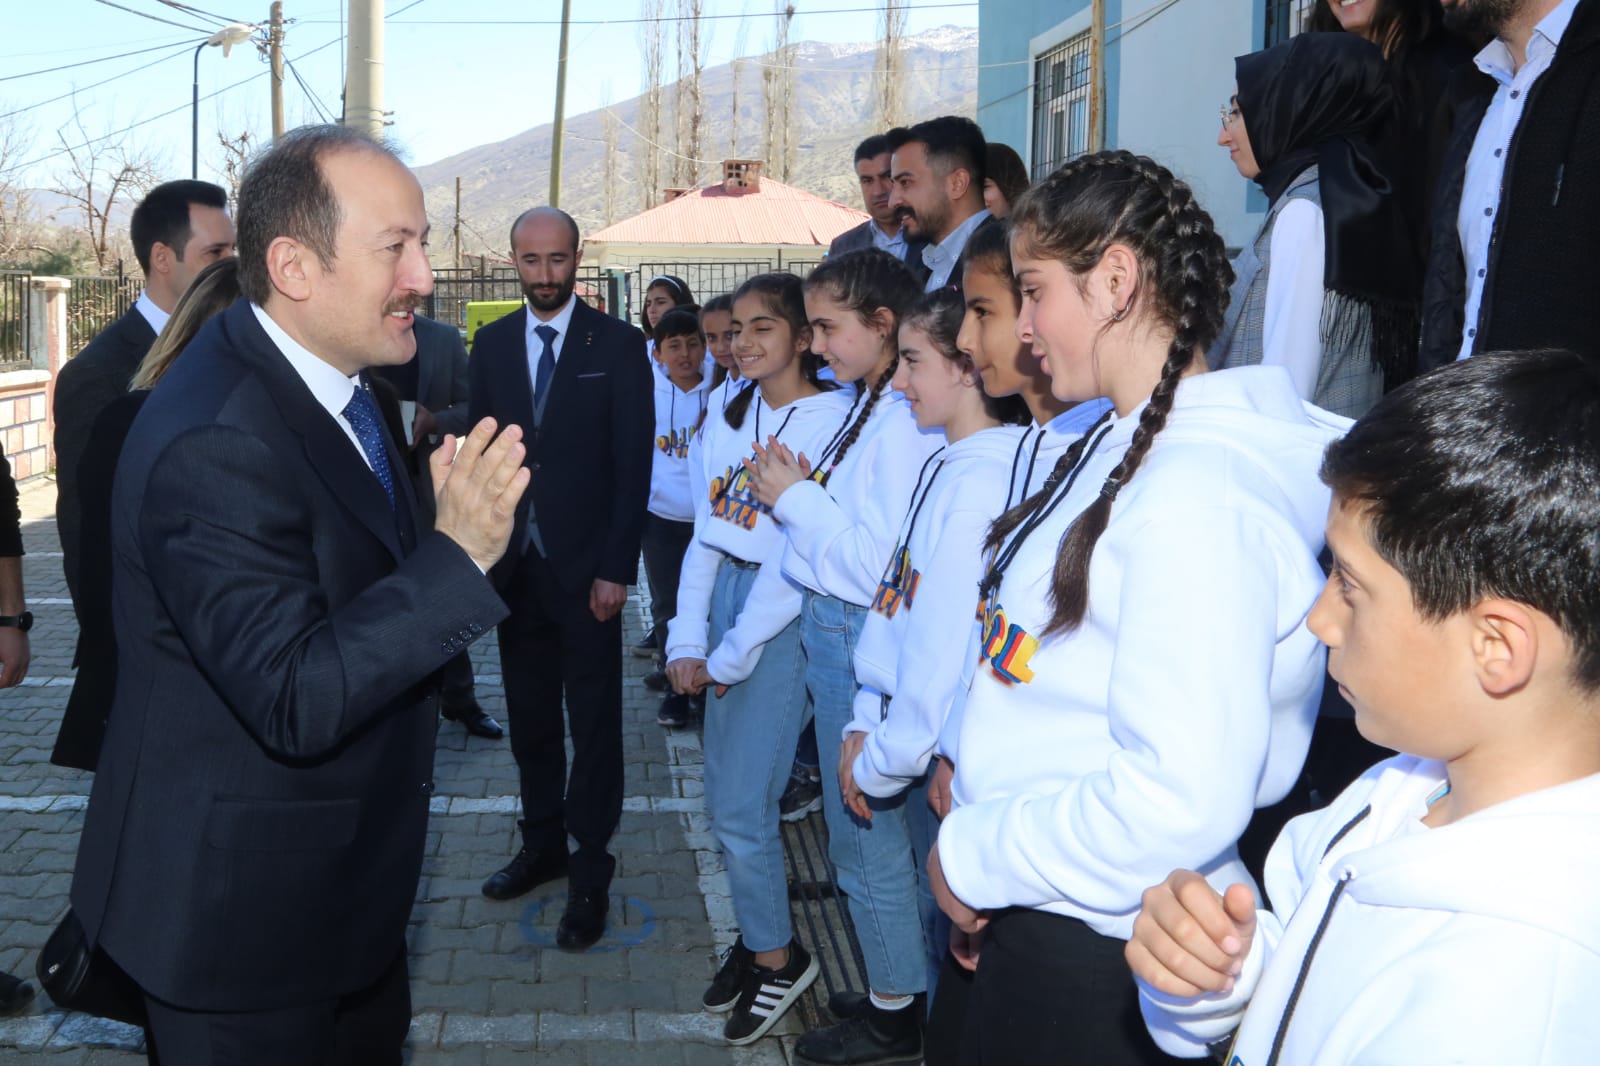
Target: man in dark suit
(883, 230)
(578, 383)
(255, 832)
(436, 382)
(938, 169)
(178, 230)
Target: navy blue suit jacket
(255, 831)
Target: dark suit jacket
(83, 725)
(853, 240)
(256, 827)
(961, 260)
(440, 386)
(84, 386)
(590, 457)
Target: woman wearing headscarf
(1327, 286)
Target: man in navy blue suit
(255, 831)
(578, 383)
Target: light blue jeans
(872, 860)
(749, 744)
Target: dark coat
(84, 387)
(591, 456)
(255, 831)
(854, 240)
(1539, 290)
(438, 382)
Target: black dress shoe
(585, 919)
(476, 719)
(647, 647)
(525, 872)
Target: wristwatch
(23, 621)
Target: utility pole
(275, 53)
(561, 104)
(456, 234)
(1097, 75)
(363, 97)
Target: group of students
(1042, 580)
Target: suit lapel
(328, 450)
(515, 374)
(575, 351)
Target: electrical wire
(140, 69)
(637, 21)
(316, 101)
(221, 20)
(156, 18)
(102, 59)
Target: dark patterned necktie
(362, 414)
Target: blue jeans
(750, 736)
(872, 859)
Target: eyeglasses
(1228, 112)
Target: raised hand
(477, 483)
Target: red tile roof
(774, 214)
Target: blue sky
(458, 72)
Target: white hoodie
(1041, 446)
(734, 522)
(677, 415)
(1141, 742)
(841, 537)
(922, 616)
(1476, 942)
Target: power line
(636, 21)
(155, 18)
(186, 9)
(316, 101)
(92, 62)
(140, 69)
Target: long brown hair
(1073, 216)
(212, 290)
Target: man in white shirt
(938, 190)
(883, 230)
(1515, 215)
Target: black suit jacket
(440, 386)
(84, 387)
(256, 827)
(853, 240)
(590, 457)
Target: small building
(1166, 69)
(715, 237)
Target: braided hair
(1074, 216)
(866, 282)
(783, 296)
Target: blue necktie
(547, 363)
(362, 414)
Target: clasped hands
(774, 469)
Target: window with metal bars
(1285, 18)
(1061, 80)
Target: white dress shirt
(895, 246)
(152, 314)
(941, 258)
(331, 389)
(561, 323)
(1486, 164)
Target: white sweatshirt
(1476, 942)
(733, 522)
(1041, 446)
(922, 616)
(677, 414)
(840, 537)
(1092, 764)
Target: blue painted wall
(1166, 75)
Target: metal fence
(454, 288)
(93, 303)
(708, 279)
(15, 323)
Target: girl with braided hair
(1147, 679)
(841, 510)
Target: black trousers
(1047, 989)
(456, 682)
(663, 544)
(365, 1028)
(551, 646)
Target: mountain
(833, 110)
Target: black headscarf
(1322, 99)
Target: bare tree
(608, 119)
(784, 58)
(680, 92)
(891, 110)
(689, 32)
(237, 151)
(16, 208)
(102, 174)
(653, 30)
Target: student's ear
(883, 322)
(1116, 279)
(1505, 645)
(289, 268)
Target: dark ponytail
(782, 294)
(865, 282)
(1073, 216)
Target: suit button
(446, 648)
(428, 788)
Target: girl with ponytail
(1146, 678)
(841, 509)
(750, 643)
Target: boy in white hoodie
(1442, 909)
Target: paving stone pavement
(487, 984)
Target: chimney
(669, 195)
(741, 175)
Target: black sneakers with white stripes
(725, 987)
(764, 995)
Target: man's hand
(477, 483)
(944, 774)
(14, 655)
(423, 424)
(681, 672)
(854, 798)
(961, 916)
(606, 599)
(1188, 941)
